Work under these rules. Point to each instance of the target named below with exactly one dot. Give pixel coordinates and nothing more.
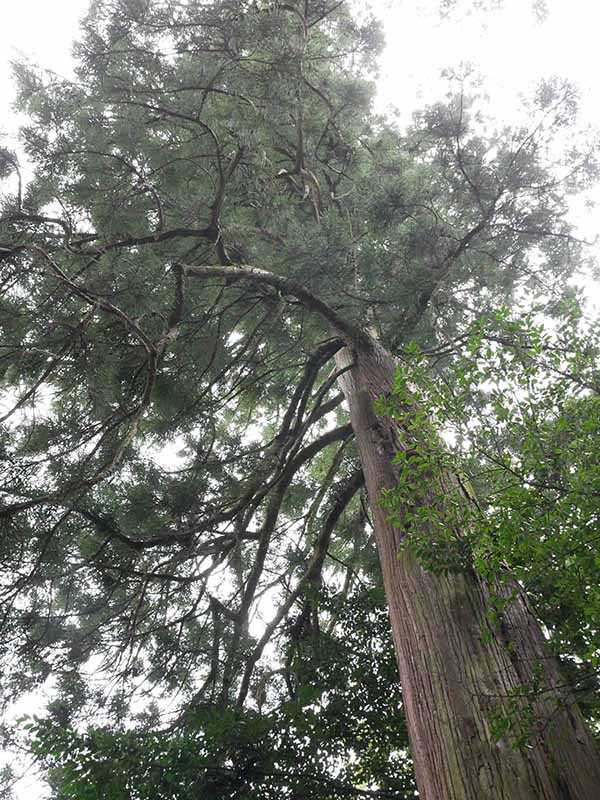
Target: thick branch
(286, 286)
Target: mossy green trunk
(459, 672)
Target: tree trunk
(458, 671)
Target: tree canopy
(186, 545)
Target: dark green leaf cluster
(342, 733)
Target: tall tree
(219, 244)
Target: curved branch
(246, 272)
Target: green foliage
(182, 507)
(343, 728)
(517, 399)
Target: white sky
(510, 47)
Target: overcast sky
(512, 48)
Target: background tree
(199, 140)
(522, 409)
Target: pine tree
(219, 245)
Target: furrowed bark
(457, 670)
